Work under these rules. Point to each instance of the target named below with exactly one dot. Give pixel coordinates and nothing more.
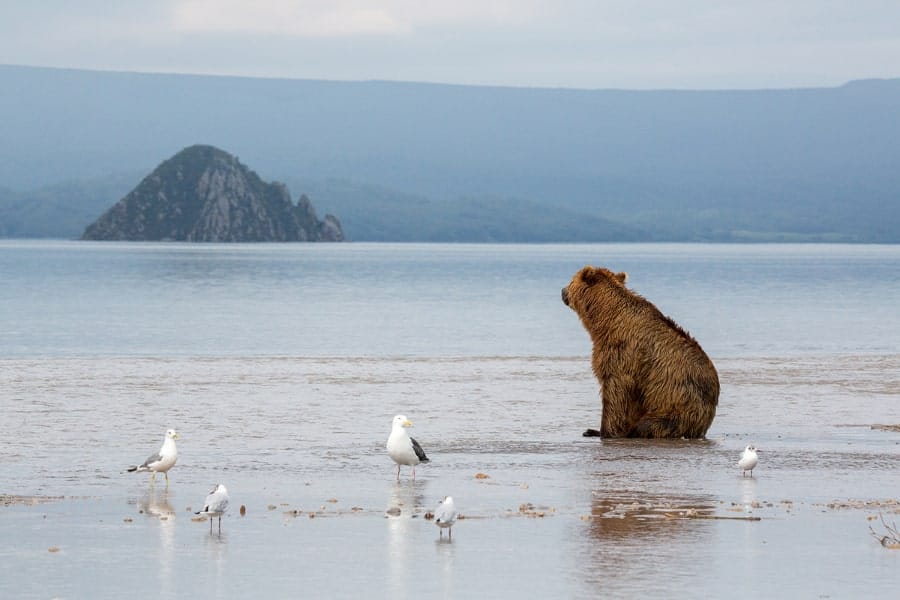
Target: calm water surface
(282, 365)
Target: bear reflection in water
(618, 514)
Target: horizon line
(152, 73)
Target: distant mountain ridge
(203, 194)
(431, 162)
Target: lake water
(282, 366)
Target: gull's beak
(407, 423)
(176, 436)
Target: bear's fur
(656, 381)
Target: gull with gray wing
(161, 461)
(445, 516)
(403, 449)
(215, 505)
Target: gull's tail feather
(134, 469)
(418, 450)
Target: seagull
(445, 516)
(748, 461)
(163, 460)
(403, 449)
(215, 505)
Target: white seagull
(403, 449)
(748, 461)
(215, 505)
(445, 516)
(163, 460)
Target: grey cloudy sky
(638, 44)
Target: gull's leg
(450, 533)
(210, 525)
(398, 472)
(220, 525)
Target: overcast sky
(637, 44)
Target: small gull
(215, 505)
(163, 460)
(748, 461)
(445, 516)
(403, 449)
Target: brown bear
(655, 379)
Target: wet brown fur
(656, 381)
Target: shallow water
(293, 432)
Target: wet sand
(300, 444)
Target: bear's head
(577, 292)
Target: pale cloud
(338, 18)
(545, 43)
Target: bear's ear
(622, 276)
(589, 275)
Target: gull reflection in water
(748, 493)
(748, 503)
(217, 550)
(155, 504)
(446, 552)
(405, 499)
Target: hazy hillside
(60, 210)
(521, 164)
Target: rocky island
(204, 194)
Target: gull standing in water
(445, 516)
(163, 460)
(403, 449)
(215, 506)
(748, 460)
